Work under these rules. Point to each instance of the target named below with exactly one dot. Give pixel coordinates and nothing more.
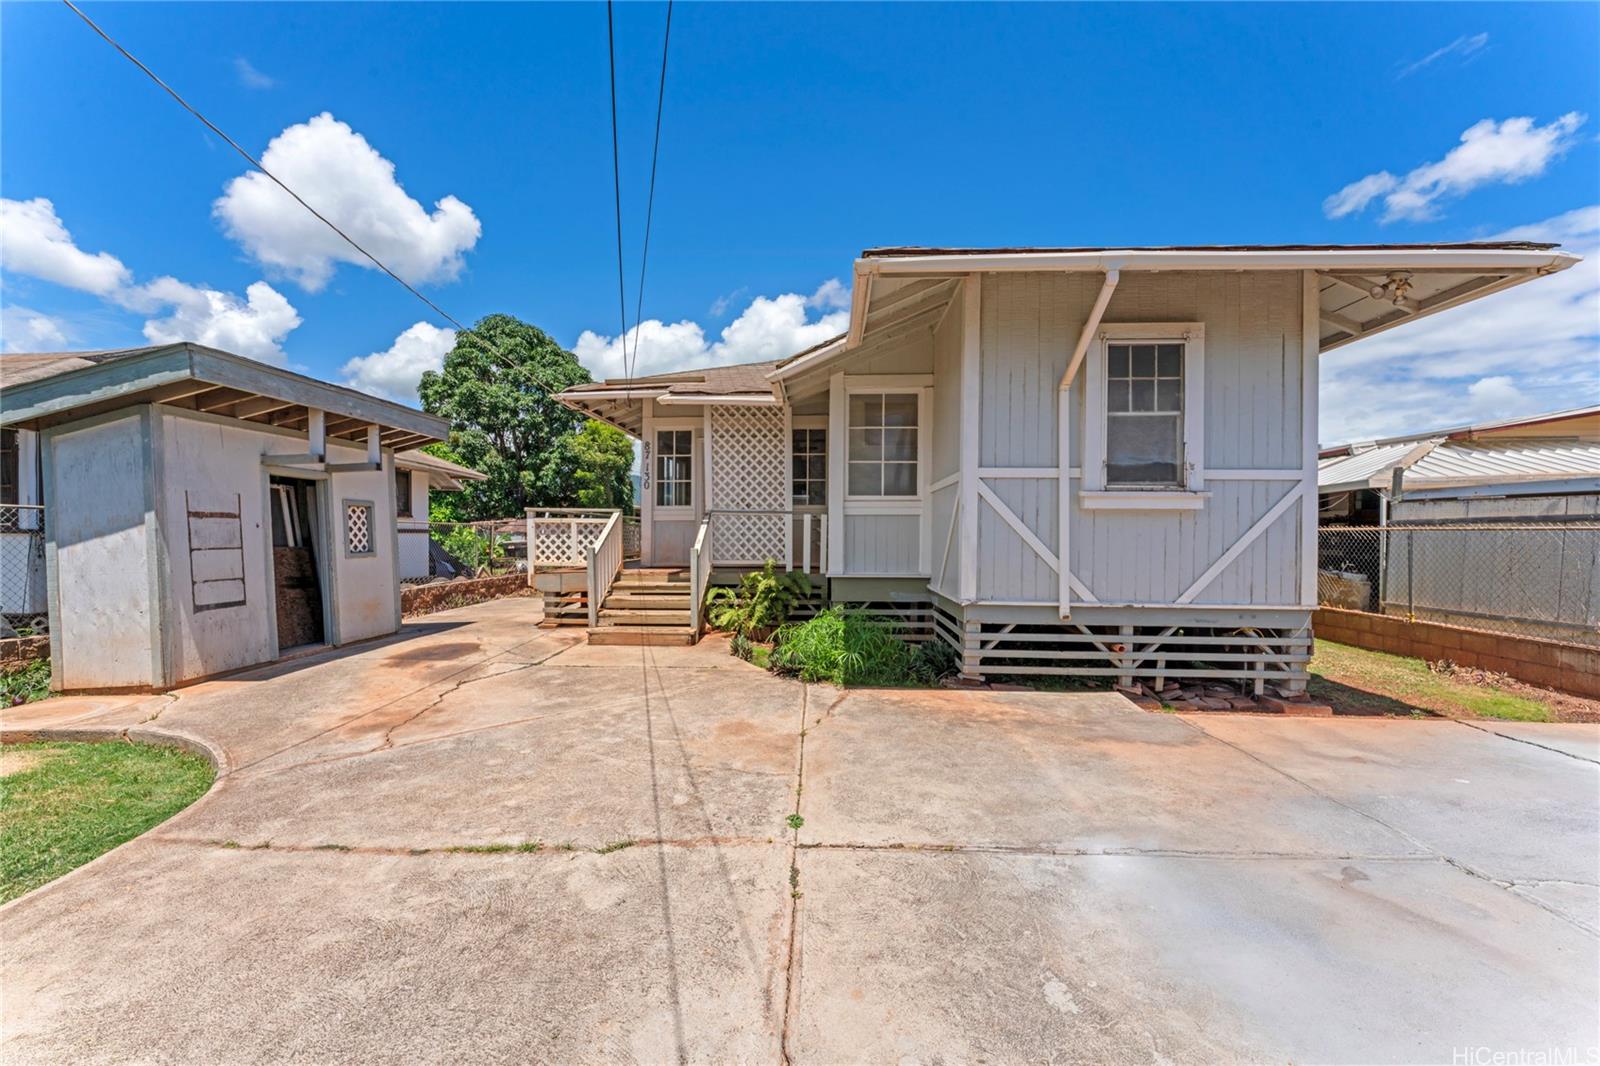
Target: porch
(588, 565)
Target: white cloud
(393, 374)
(253, 327)
(23, 329)
(1490, 152)
(1461, 46)
(831, 295)
(34, 241)
(769, 328)
(37, 243)
(720, 305)
(1530, 349)
(345, 178)
(249, 76)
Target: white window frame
(870, 387)
(808, 422)
(1190, 495)
(675, 425)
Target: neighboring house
(204, 512)
(1538, 468)
(1070, 461)
(417, 476)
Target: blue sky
(472, 143)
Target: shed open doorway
(296, 563)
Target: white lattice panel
(749, 471)
(564, 541)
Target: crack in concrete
(171, 698)
(476, 847)
(1523, 740)
(388, 734)
(791, 974)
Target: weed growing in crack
(794, 881)
(607, 849)
(230, 843)
(332, 847)
(795, 821)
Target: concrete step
(636, 636)
(644, 617)
(647, 600)
(679, 586)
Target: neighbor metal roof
(892, 251)
(1458, 463)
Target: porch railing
(699, 574)
(804, 547)
(603, 564)
(562, 536)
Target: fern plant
(759, 604)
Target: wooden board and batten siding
(1251, 453)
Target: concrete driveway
(487, 842)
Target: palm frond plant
(759, 604)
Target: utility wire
(616, 182)
(487, 346)
(650, 203)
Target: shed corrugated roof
(1345, 472)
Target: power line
(616, 184)
(253, 161)
(650, 203)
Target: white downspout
(1064, 441)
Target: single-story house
(417, 476)
(1091, 461)
(1537, 468)
(204, 512)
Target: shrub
(844, 648)
(933, 661)
(26, 683)
(740, 647)
(759, 605)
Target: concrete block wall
(1571, 668)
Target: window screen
(674, 468)
(810, 462)
(1144, 414)
(883, 444)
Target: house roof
(892, 252)
(442, 473)
(50, 388)
(619, 401)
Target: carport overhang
(196, 378)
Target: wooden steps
(645, 607)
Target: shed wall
(97, 480)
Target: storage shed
(205, 512)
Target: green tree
(502, 423)
(590, 468)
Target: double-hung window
(1144, 407)
(1144, 414)
(674, 468)
(809, 458)
(882, 460)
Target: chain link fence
(23, 608)
(1524, 580)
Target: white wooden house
(1096, 461)
(203, 512)
(418, 476)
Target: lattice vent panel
(749, 470)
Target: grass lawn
(61, 804)
(1373, 682)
